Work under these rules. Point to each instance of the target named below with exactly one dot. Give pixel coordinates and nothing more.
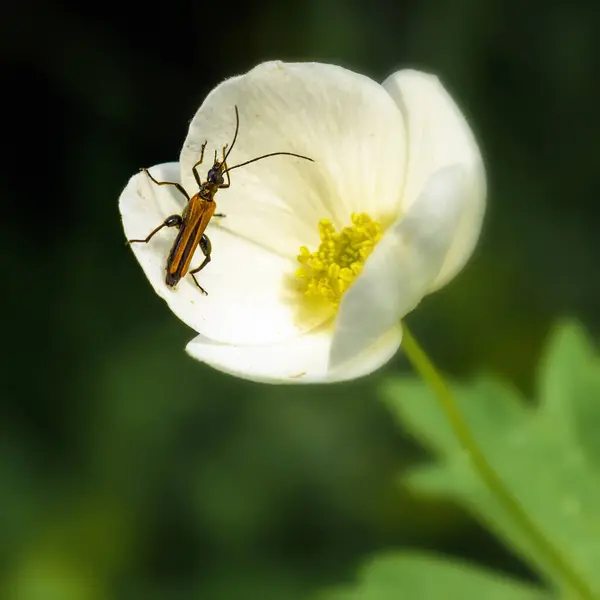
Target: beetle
(198, 212)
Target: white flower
(398, 158)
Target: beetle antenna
(237, 128)
(267, 156)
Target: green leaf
(548, 456)
(422, 577)
(570, 388)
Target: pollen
(328, 272)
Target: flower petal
(401, 269)
(346, 122)
(250, 298)
(301, 360)
(438, 136)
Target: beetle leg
(224, 165)
(206, 248)
(172, 221)
(177, 185)
(195, 167)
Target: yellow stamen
(332, 269)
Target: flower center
(331, 270)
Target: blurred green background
(127, 470)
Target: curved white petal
(438, 136)
(301, 360)
(346, 122)
(401, 269)
(250, 299)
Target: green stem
(428, 371)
